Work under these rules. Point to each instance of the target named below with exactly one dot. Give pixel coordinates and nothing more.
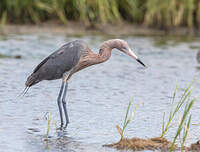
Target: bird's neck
(104, 54)
(106, 48)
(91, 58)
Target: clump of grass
(183, 127)
(127, 119)
(174, 111)
(161, 142)
(136, 143)
(184, 123)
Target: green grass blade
(173, 99)
(130, 118)
(163, 123)
(186, 130)
(173, 112)
(48, 129)
(127, 111)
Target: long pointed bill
(130, 53)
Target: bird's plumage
(59, 62)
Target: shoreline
(79, 29)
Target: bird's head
(124, 47)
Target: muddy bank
(79, 29)
(157, 143)
(194, 146)
(138, 144)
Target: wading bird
(69, 59)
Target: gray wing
(61, 61)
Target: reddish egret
(71, 58)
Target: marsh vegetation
(154, 13)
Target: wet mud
(140, 144)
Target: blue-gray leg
(59, 103)
(65, 105)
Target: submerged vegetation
(156, 13)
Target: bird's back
(59, 62)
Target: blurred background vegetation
(154, 13)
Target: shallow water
(97, 97)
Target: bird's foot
(62, 132)
(65, 127)
(60, 128)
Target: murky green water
(98, 96)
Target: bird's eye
(124, 48)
